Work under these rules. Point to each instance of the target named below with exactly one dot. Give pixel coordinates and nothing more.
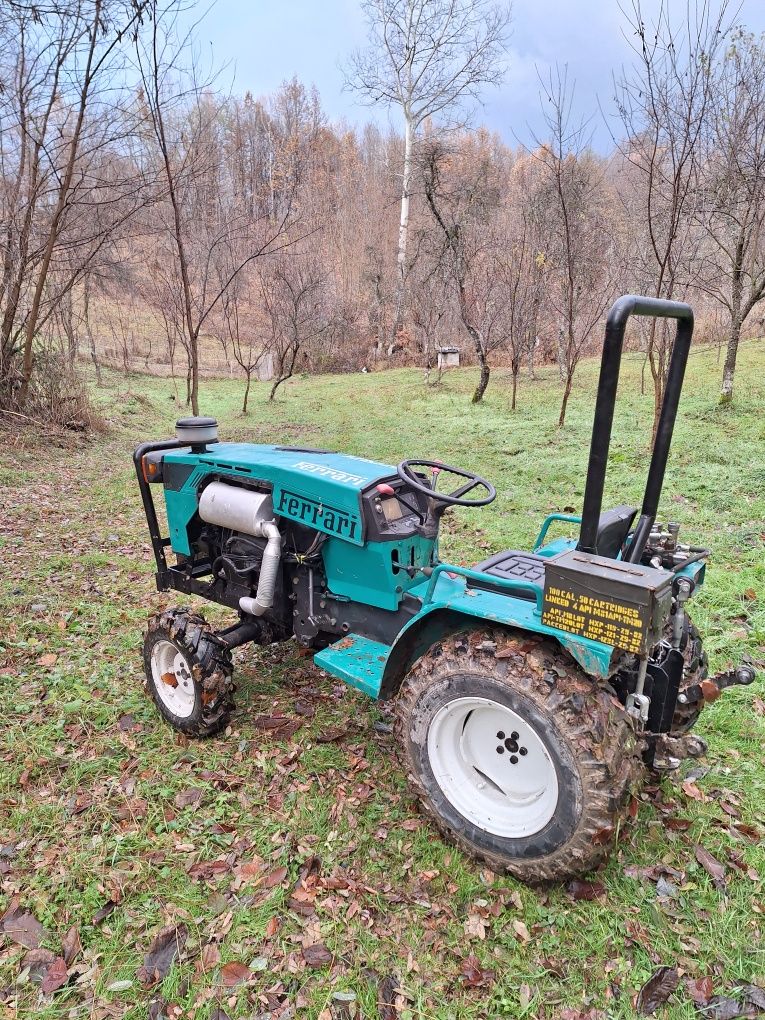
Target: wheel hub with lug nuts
(172, 679)
(493, 767)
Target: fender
(450, 605)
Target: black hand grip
(633, 304)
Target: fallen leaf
(250, 869)
(474, 975)
(755, 995)
(691, 790)
(36, 962)
(580, 890)
(188, 797)
(711, 865)
(678, 824)
(280, 726)
(332, 735)
(55, 977)
(475, 926)
(162, 952)
(747, 830)
(274, 878)
(71, 946)
(23, 928)
(47, 660)
(121, 986)
(665, 888)
(730, 809)
(657, 989)
(603, 836)
(521, 931)
(700, 989)
(411, 824)
(234, 974)
(721, 1007)
(317, 955)
(387, 991)
(209, 958)
(103, 912)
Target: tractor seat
(613, 528)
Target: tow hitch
(711, 688)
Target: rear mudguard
(451, 605)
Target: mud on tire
(210, 687)
(589, 740)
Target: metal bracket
(637, 706)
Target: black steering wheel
(407, 472)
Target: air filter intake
(197, 432)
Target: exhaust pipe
(269, 572)
(251, 513)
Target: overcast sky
(266, 42)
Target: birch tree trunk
(403, 233)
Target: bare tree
(663, 105)
(294, 296)
(184, 117)
(426, 57)
(521, 272)
(464, 212)
(240, 331)
(65, 186)
(733, 192)
(578, 250)
(430, 310)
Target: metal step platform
(357, 660)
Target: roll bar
(616, 323)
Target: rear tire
(518, 756)
(188, 673)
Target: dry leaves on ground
(657, 989)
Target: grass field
(298, 870)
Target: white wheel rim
(176, 694)
(512, 792)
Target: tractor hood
(314, 487)
(337, 470)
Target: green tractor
(531, 692)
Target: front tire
(188, 673)
(516, 754)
